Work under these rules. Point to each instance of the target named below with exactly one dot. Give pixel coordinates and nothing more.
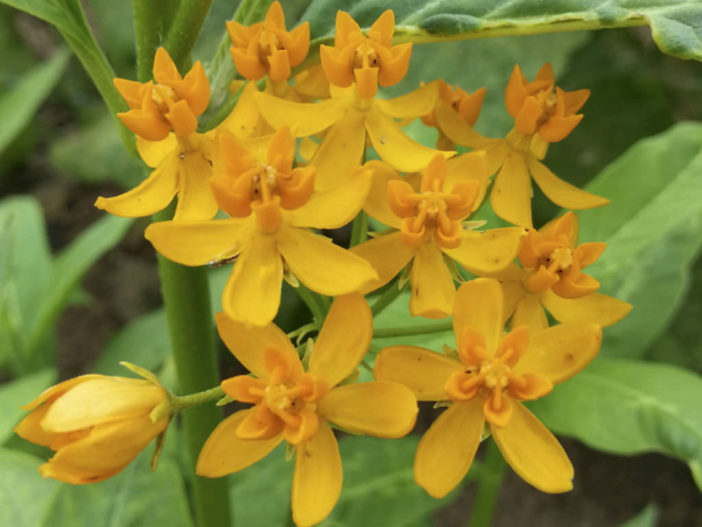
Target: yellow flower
(181, 160)
(429, 222)
(96, 425)
(267, 47)
(271, 205)
(551, 277)
(494, 374)
(366, 61)
(298, 405)
(542, 116)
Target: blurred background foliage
(79, 292)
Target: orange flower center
(365, 56)
(547, 100)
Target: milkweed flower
(543, 114)
(429, 222)
(96, 425)
(270, 205)
(493, 374)
(298, 406)
(164, 117)
(552, 277)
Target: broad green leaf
(648, 517)
(24, 495)
(627, 407)
(19, 392)
(19, 105)
(69, 267)
(653, 230)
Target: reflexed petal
(377, 201)
(317, 477)
(396, 147)
(456, 129)
(560, 352)
(224, 453)
(101, 401)
(488, 251)
(343, 340)
(596, 308)
(496, 153)
(511, 192)
(529, 313)
(533, 452)
(411, 105)
(153, 152)
(303, 118)
(479, 306)
(422, 371)
(106, 450)
(199, 242)
(322, 266)
(340, 152)
(252, 293)
(513, 292)
(150, 196)
(380, 409)
(249, 343)
(334, 207)
(195, 199)
(388, 254)
(447, 449)
(562, 193)
(433, 290)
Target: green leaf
(625, 406)
(653, 230)
(20, 392)
(24, 495)
(19, 105)
(648, 517)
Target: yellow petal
(335, 207)
(106, 450)
(422, 371)
(322, 266)
(396, 147)
(150, 196)
(249, 343)
(377, 201)
(303, 118)
(432, 284)
(30, 427)
(388, 254)
(153, 152)
(224, 453)
(199, 242)
(596, 308)
(487, 252)
(317, 478)
(529, 313)
(244, 121)
(252, 293)
(341, 151)
(411, 105)
(533, 452)
(496, 152)
(343, 340)
(560, 352)
(511, 192)
(468, 167)
(560, 192)
(195, 199)
(380, 408)
(447, 449)
(56, 390)
(479, 306)
(456, 129)
(101, 401)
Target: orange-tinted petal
(479, 306)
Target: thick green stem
(359, 229)
(492, 471)
(385, 299)
(421, 329)
(185, 29)
(148, 29)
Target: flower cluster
(245, 196)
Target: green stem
(386, 298)
(421, 329)
(359, 229)
(148, 29)
(317, 304)
(492, 471)
(186, 298)
(182, 402)
(185, 28)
